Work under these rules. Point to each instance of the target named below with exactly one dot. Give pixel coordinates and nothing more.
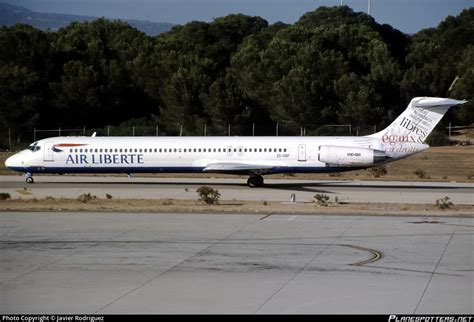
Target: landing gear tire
(255, 181)
(30, 180)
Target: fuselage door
(48, 152)
(302, 152)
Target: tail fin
(419, 119)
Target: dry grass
(234, 207)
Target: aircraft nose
(12, 162)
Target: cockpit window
(34, 147)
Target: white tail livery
(253, 156)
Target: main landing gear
(29, 178)
(255, 180)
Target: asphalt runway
(236, 189)
(201, 263)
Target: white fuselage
(181, 154)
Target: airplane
(252, 156)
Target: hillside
(11, 15)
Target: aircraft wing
(235, 167)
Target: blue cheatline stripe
(173, 170)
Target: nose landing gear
(255, 181)
(29, 178)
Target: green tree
(192, 59)
(19, 100)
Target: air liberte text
(105, 159)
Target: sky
(408, 16)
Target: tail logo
(407, 124)
(393, 139)
(65, 145)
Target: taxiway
(236, 189)
(197, 263)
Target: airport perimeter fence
(14, 140)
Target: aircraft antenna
(451, 86)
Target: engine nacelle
(346, 156)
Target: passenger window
(284, 150)
(100, 150)
(80, 150)
(70, 150)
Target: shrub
(420, 173)
(108, 196)
(321, 199)
(208, 195)
(4, 196)
(443, 203)
(377, 172)
(85, 198)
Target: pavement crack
(173, 267)
(433, 272)
(304, 267)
